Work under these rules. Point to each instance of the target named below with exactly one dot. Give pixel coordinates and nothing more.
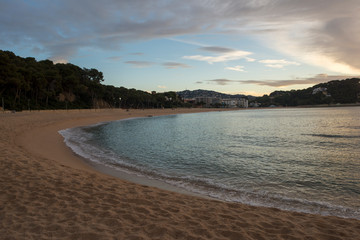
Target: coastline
(49, 192)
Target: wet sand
(47, 192)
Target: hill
(334, 92)
(187, 94)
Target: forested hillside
(188, 94)
(29, 84)
(333, 92)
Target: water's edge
(122, 173)
(131, 175)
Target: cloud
(324, 33)
(63, 27)
(320, 78)
(224, 55)
(222, 81)
(237, 68)
(217, 49)
(140, 64)
(59, 60)
(114, 58)
(172, 65)
(145, 64)
(250, 59)
(272, 63)
(186, 42)
(161, 87)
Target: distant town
(219, 102)
(205, 98)
(337, 92)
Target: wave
(331, 136)
(80, 140)
(223, 192)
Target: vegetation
(333, 92)
(29, 84)
(188, 94)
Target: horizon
(201, 89)
(233, 47)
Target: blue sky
(232, 46)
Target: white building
(322, 90)
(235, 102)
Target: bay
(297, 159)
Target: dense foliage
(29, 84)
(188, 94)
(333, 92)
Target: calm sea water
(305, 160)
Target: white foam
(81, 142)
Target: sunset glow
(258, 46)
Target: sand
(47, 192)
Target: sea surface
(299, 159)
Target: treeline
(29, 84)
(333, 92)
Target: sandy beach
(47, 192)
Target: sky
(250, 47)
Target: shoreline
(134, 177)
(52, 142)
(333, 105)
(141, 176)
(49, 192)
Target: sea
(296, 159)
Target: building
(229, 103)
(323, 90)
(218, 102)
(235, 102)
(243, 103)
(207, 101)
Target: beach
(48, 192)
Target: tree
(93, 75)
